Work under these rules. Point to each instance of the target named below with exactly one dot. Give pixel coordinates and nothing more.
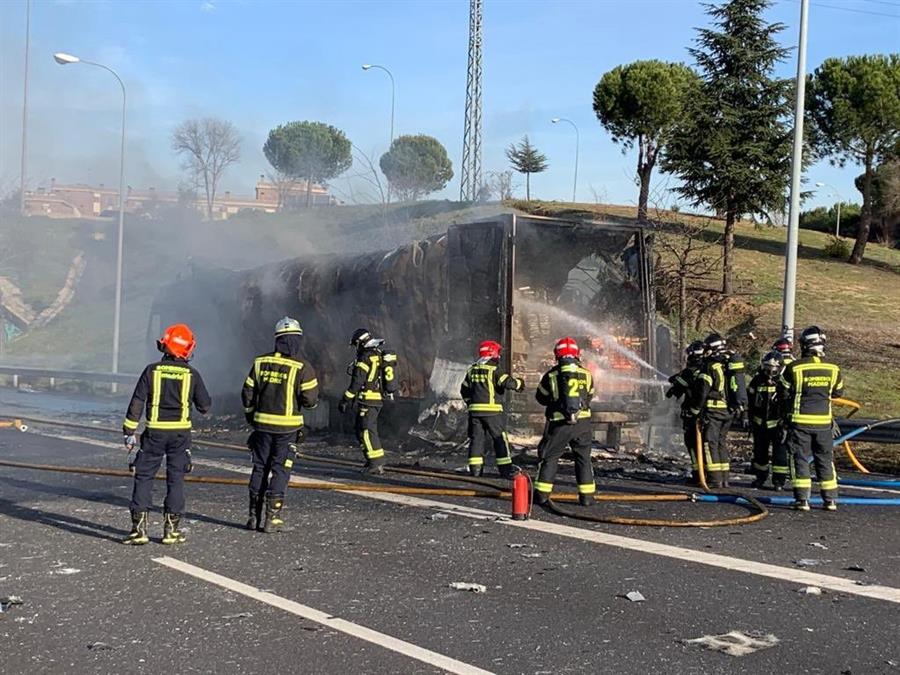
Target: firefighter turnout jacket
(809, 384)
(764, 407)
(276, 390)
(165, 392)
(367, 376)
(483, 386)
(566, 391)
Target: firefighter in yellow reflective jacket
(683, 385)
(566, 391)
(164, 394)
(280, 384)
(766, 423)
(721, 396)
(482, 389)
(371, 376)
(809, 384)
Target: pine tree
(732, 153)
(525, 158)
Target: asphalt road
(553, 603)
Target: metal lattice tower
(471, 159)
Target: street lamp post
(369, 66)
(556, 120)
(837, 225)
(25, 108)
(66, 59)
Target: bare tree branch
(208, 147)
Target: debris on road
(239, 615)
(855, 568)
(810, 590)
(818, 544)
(9, 601)
(466, 586)
(735, 643)
(530, 555)
(634, 596)
(810, 562)
(100, 647)
(439, 516)
(67, 570)
(520, 545)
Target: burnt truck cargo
(523, 281)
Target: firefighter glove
(249, 417)
(130, 441)
(344, 406)
(189, 465)
(670, 392)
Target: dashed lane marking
(335, 623)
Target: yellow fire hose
(493, 492)
(854, 407)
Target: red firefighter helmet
(177, 340)
(489, 350)
(566, 348)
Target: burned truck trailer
(521, 280)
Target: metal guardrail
(19, 373)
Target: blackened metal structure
(470, 182)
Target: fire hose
(492, 491)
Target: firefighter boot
(254, 515)
(507, 470)
(171, 533)
(586, 500)
(829, 504)
(801, 504)
(476, 470)
(138, 535)
(373, 467)
(541, 498)
(274, 522)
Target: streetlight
(556, 120)
(369, 66)
(837, 227)
(63, 60)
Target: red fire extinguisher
(521, 496)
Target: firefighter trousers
(558, 437)
(808, 446)
(483, 428)
(768, 445)
(172, 446)
(717, 461)
(689, 425)
(272, 462)
(367, 433)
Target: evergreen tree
(525, 158)
(732, 153)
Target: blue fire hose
(789, 501)
(857, 482)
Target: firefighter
(783, 346)
(766, 423)
(280, 384)
(481, 389)
(369, 377)
(720, 397)
(164, 394)
(683, 384)
(566, 391)
(809, 384)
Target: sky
(262, 63)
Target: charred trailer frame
(526, 281)
(433, 300)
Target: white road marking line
(311, 614)
(839, 584)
